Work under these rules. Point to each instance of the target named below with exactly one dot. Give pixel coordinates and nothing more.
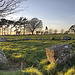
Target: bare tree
(55, 31)
(62, 31)
(50, 31)
(8, 7)
(34, 24)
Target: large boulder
(3, 39)
(59, 53)
(3, 58)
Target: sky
(55, 14)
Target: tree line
(21, 26)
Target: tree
(50, 31)
(62, 31)
(72, 28)
(25, 24)
(34, 24)
(16, 26)
(19, 23)
(3, 24)
(0, 31)
(8, 7)
(10, 23)
(55, 31)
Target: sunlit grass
(17, 55)
(71, 71)
(32, 71)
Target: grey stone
(59, 53)
(41, 39)
(66, 38)
(3, 39)
(3, 58)
(28, 38)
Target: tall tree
(34, 24)
(55, 31)
(62, 31)
(8, 7)
(50, 31)
(25, 24)
(16, 26)
(0, 31)
(19, 23)
(22, 24)
(7, 26)
(10, 24)
(3, 24)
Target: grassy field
(32, 52)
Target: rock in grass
(59, 53)
(66, 38)
(28, 38)
(3, 58)
(52, 38)
(3, 39)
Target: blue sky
(55, 14)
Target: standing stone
(59, 53)
(3, 58)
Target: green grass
(71, 71)
(32, 52)
(11, 73)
